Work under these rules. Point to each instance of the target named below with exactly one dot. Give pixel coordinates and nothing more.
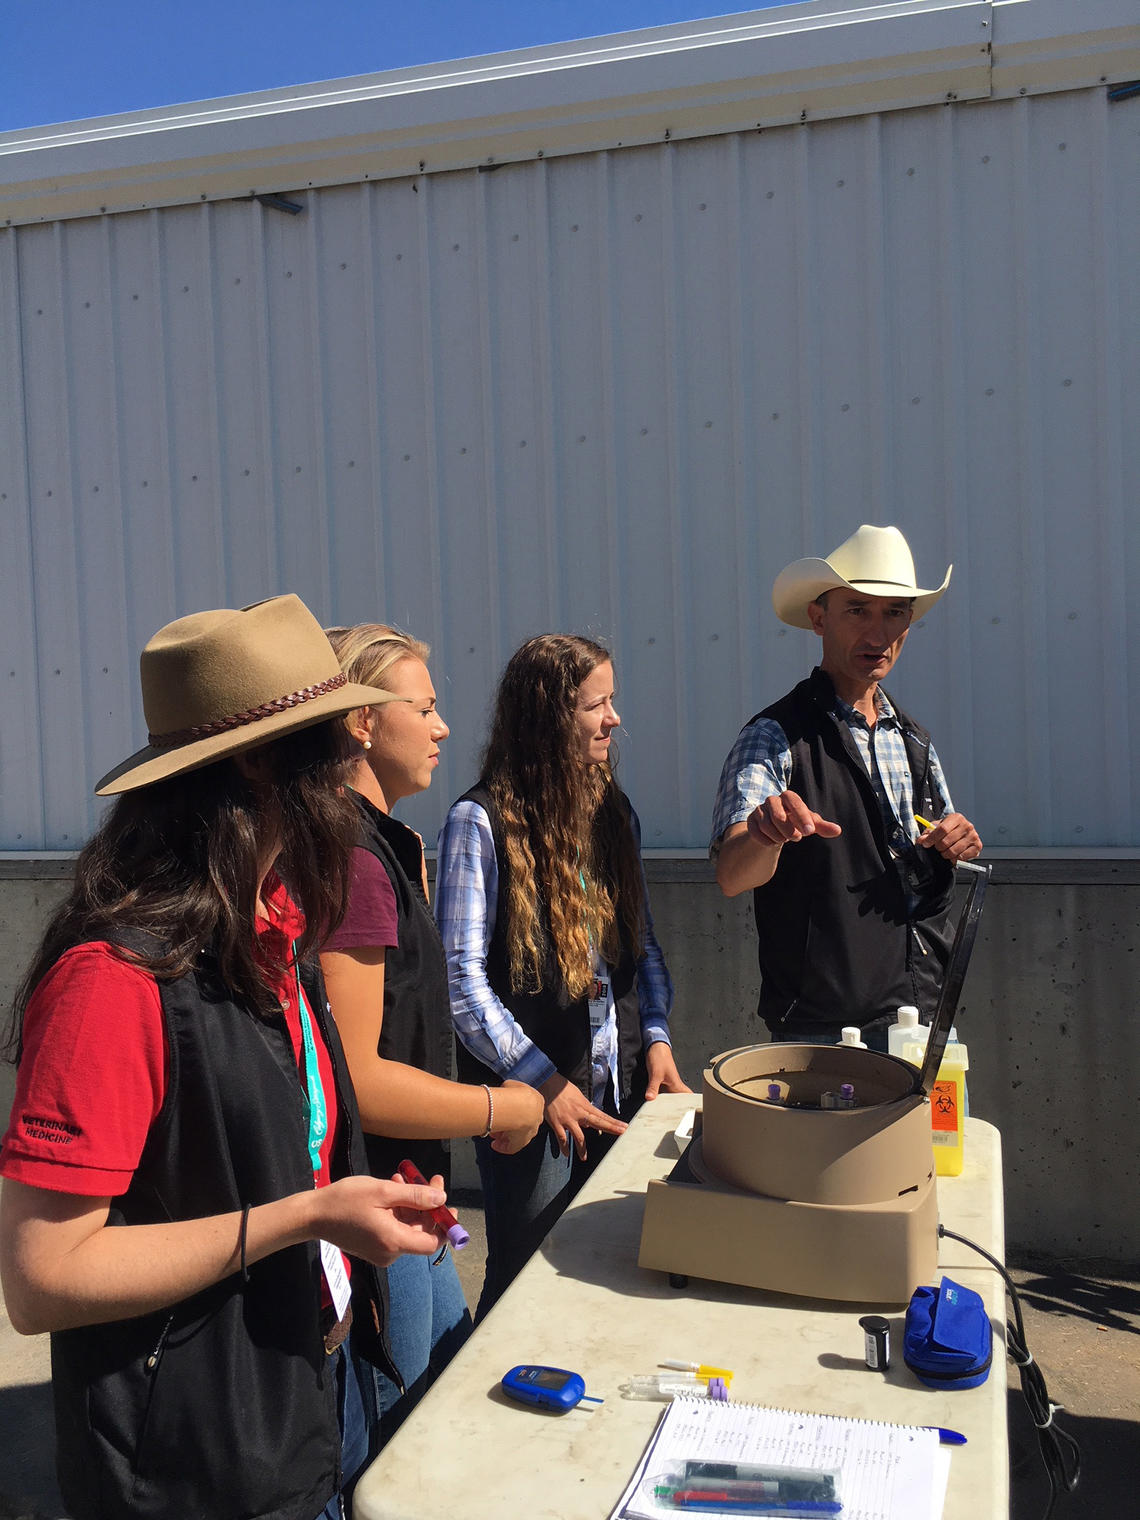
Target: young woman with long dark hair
(184, 1176)
(387, 980)
(556, 976)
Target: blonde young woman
(387, 981)
(557, 979)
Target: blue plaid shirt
(759, 766)
(466, 900)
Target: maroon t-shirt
(371, 919)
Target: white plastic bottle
(906, 1030)
(851, 1036)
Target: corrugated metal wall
(613, 393)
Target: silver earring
(367, 743)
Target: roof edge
(760, 69)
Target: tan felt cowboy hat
(215, 683)
(873, 561)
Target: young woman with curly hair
(556, 976)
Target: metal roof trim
(650, 42)
(802, 63)
(1042, 46)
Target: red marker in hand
(457, 1236)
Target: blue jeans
(523, 1197)
(428, 1321)
(354, 1414)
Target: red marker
(456, 1234)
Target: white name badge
(599, 1003)
(340, 1289)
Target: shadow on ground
(1107, 1483)
(1115, 1305)
(1079, 1320)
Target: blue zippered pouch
(947, 1338)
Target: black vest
(417, 1010)
(558, 1025)
(223, 1406)
(847, 931)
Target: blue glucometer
(551, 1388)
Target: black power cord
(1059, 1450)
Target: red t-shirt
(94, 1069)
(372, 918)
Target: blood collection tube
(457, 1236)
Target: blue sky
(63, 60)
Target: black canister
(876, 1341)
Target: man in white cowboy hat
(834, 811)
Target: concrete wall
(1047, 1012)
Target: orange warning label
(944, 1106)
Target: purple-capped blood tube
(457, 1236)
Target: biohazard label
(944, 1107)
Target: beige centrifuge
(776, 1191)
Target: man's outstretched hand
(786, 819)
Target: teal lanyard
(315, 1093)
(589, 934)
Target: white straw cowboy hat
(873, 561)
(215, 683)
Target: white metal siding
(616, 393)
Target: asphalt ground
(1082, 1321)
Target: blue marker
(947, 1437)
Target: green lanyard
(315, 1094)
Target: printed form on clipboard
(702, 1450)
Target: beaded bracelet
(490, 1112)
